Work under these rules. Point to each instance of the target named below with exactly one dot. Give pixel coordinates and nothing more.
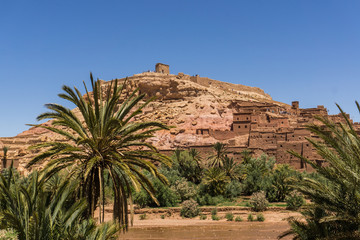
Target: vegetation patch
(189, 209)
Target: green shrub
(294, 201)
(143, 216)
(233, 189)
(260, 217)
(250, 218)
(258, 202)
(189, 209)
(165, 195)
(8, 234)
(214, 211)
(229, 216)
(185, 189)
(162, 216)
(203, 217)
(205, 199)
(238, 219)
(215, 217)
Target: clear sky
(305, 50)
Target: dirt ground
(173, 226)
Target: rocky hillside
(190, 103)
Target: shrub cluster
(229, 216)
(258, 202)
(294, 201)
(189, 209)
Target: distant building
(162, 68)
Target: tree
(280, 183)
(215, 181)
(103, 137)
(35, 213)
(187, 165)
(334, 212)
(217, 160)
(256, 174)
(231, 168)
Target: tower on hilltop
(162, 68)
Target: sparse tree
(103, 138)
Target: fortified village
(205, 111)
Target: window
(238, 126)
(245, 126)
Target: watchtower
(295, 105)
(162, 68)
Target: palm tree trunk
(101, 195)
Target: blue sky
(295, 50)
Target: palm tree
(195, 155)
(215, 181)
(231, 168)
(217, 160)
(335, 209)
(38, 214)
(103, 138)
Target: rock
(179, 121)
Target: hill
(205, 111)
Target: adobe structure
(204, 111)
(162, 68)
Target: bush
(250, 218)
(205, 199)
(229, 216)
(143, 216)
(294, 201)
(203, 217)
(186, 190)
(260, 218)
(165, 195)
(189, 209)
(214, 211)
(215, 217)
(258, 202)
(238, 219)
(233, 189)
(8, 234)
(162, 216)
